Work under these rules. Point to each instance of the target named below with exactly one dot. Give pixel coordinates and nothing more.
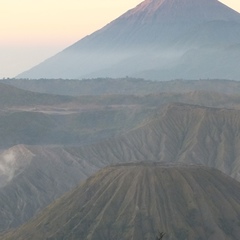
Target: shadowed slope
(67, 127)
(135, 201)
(43, 119)
(11, 96)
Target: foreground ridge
(134, 201)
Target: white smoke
(12, 162)
(8, 164)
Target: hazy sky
(32, 31)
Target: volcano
(159, 39)
(135, 201)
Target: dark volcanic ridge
(135, 201)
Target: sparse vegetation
(160, 236)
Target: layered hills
(34, 175)
(135, 201)
(45, 119)
(159, 39)
(179, 133)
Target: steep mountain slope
(153, 40)
(134, 201)
(33, 177)
(180, 133)
(172, 11)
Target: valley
(39, 167)
(131, 131)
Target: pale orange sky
(32, 31)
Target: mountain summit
(159, 39)
(195, 10)
(134, 201)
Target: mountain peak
(158, 39)
(204, 10)
(155, 4)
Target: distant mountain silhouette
(123, 86)
(134, 201)
(159, 39)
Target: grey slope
(33, 177)
(181, 133)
